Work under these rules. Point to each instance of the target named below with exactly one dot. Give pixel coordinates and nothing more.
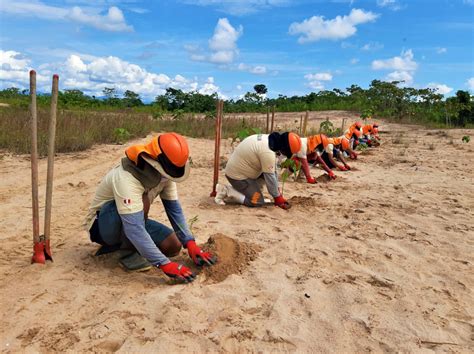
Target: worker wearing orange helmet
(334, 150)
(353, 134)
(311, 151)
(370, 134)
(253, 164)
(118, 214)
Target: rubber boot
(221, 193)
(234, 196)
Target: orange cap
(358, 124)
(295, 142)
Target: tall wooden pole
(305, 123)
(267, 127)
(217, 144)
(34, 157)
(273, 119)
(343, 125)
(49, 178)
(301, 126)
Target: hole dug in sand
(233, 257)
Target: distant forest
(381, 100)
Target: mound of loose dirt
(302, 201)
(233, 257)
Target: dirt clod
(233, 257)
(302, 201)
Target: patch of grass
(79, 130)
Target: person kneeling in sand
(312, 149)
(370, 135)
(118, 214)
(334, 150)
(253, 164)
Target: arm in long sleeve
(178, 221)
(305, 167)
(321, 161)
(134, 228)
(272, 184)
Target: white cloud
(404, 62)
(372, 46)
(440, 88)
(441, 50)
(470, 83)
(404, 66)
(258, 69)
(393, 5)
(317, 28)
(354, 61)
(315, 81)
(239, 7)
(113, 20)
(93, 74)
(222, 45)
(405, 76)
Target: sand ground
(379, 260)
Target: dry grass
(79, 130)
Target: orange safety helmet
(168, 153)
(294, 142)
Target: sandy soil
(379, 260)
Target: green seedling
(290, 167)
(466, 139)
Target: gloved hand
(282, 203)
(353, 156)
(198, 256)
(310, 180)
(347, 166)
(331, 174)
(176, 270)
(342, 168)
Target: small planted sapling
(466, 139)
(290, 167)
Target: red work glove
(198, 256)
(282, 203)
(342, 168)
(310, 180)
(331, 174)
(176, 270)
(353, 156)
(347, 166)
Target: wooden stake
(34, 157)
(268, 121)
(301, 126)
(51, 144)
(343, 125)
(305, 123)
(273, 119)
(217, 143)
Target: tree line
(381, 99)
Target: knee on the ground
(171, 246)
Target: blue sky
(228, 46)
